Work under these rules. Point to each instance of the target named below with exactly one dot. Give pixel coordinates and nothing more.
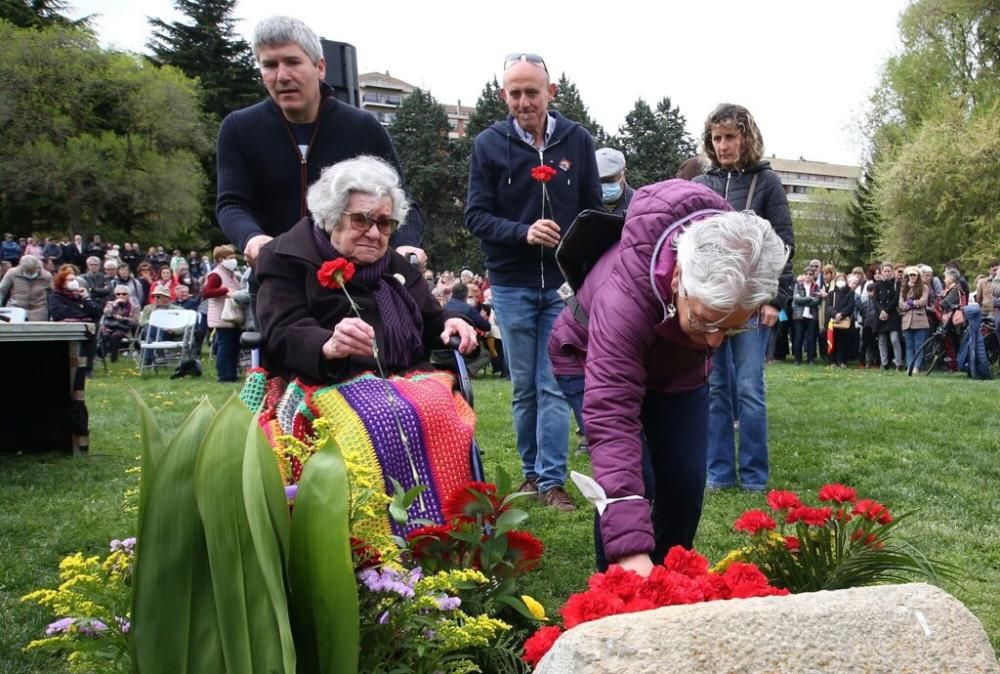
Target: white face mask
(229, 263)
(72, 285)
(841, 284)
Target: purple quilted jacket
(630, 346)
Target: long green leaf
(174, 613)
(267, 517)
(249, 629)
(152, 450)
(324, 590)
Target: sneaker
(558, 499)
(583, 447)
(530, 485)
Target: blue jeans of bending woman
(740, 362)
(541, 420)
(673, 468)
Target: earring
(671, 310)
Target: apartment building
(381, 95)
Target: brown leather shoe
(530, 485)
(558, 498)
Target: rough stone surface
(890, 629)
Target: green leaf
(175, 623)
(502, 481)
(151, 452)
(518, 605)
(509, 520)
(269, 524)
(249, 629)
(324, 591)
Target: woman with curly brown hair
(734, 146)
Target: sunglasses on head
(511, 59)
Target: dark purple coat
(630, 346)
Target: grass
(927, 444)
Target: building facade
(381, 95)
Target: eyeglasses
(121, 294)
(362, 222)
(710, 328)
(511, 59)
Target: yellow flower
(534, 607)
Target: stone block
(887, 629)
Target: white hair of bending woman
(731, 261)
(328, 197)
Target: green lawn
(929, 444)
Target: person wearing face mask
(221, 283)
(840, 309)
(616, 194)
(26, 286)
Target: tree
(490, 108)
(39, 14)
(95, 139)
(821, 226)
(207, 48)
(569, 103)
(654, 143)
(436, 171)
(864, 223)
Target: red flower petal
(524, 550)
(543, 173)
(814, 517)
(463, 504)
(686, 562)
(783, 500)
(539, 643)
(334, 274)
(873, 510)
(838, 493)
(754, 521)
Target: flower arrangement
(92, 605)
(683, 578)
(848, 542)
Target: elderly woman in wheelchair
(348, 326)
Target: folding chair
(13, 314)
(162, 352)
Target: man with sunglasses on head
(530, 175)
(270, 152)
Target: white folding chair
(179, 323)
(13, 314)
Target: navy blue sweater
(263, 180)
(504, 201)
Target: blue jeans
(227, 354)
(572, 387)
(673, 469)
(740, 359)
(541, 420)
(914, 341)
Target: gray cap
(610, 162)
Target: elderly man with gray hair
(27, 286)
(269, 153)
(616, 194)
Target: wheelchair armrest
(251, 340)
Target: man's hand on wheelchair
(457, 327)
(351, 336)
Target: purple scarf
(402, 323)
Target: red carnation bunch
(806, 548)
(683, 578)
(335, 274)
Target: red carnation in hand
(471, 499)
(539, 643)
(814, 517)
(543, 173)
(754, 522)
(686, 562)
(873, 510)
(783, 500)
(335, 274)
(838, 493)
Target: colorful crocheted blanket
(412, 428)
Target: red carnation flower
(543, 173)
(334, 274)
(754, 522)
(466, 502)
(838, 493)
(523, 550)
(873, 510)
(590, 605)
(668, 588)
(432, 541)
(365, 555)
(686, 562)
(783, 500)
(539, 643)
(792, 543)
(814, 517)
(618, 581)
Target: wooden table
(39, 362)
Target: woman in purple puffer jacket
(687, 272)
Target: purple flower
(92, 628)
(124, 626)
(127, 545)
(389, 580)
(384, 618)
(60, 626)
(448, 603)
(291, 491)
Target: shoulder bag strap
(753, 188)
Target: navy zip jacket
(263, 178)
(504, 200)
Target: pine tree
(569, 103)
(207, 47)
(39, 14)
(490, 108)
(655, 143)
(863, 222)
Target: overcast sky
(804, 68)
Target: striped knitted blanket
(414, 429)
